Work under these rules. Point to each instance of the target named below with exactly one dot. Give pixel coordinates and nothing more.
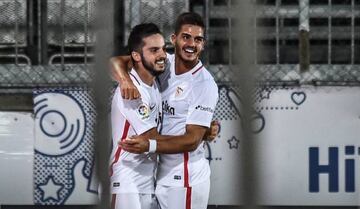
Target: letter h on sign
(315, 169)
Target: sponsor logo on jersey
(167, 108)
(203, 108)
(152, 107)
(143, 111)
(116, 184)
(176, 177)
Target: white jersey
(189, 98)
(133, 173)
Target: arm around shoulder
(120, 67)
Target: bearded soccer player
(132, 175)
(189, 96)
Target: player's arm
(120, 67)
(183, 143)
(166, 144)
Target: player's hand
(135, 144)
(129, 90)
(212, 132)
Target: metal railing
(295, 42)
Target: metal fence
(295, 41)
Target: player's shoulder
(203, 76)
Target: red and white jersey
(133, 173)
(189, 98)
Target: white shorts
(195, 197)
(133, 201)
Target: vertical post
(31, 48)
(206, 12)
(135, 13)
(62, 22)
(101, 86)
(255, 32)
(329, 31)
(16, 8)
(304, 28)
(86, 32)
(352, 32)
(42, 34)
(277, 2)
(119, 27)
(161, 22)
(245, 73)
(229, 16)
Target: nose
(191, 41)
(163, 53)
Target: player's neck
(145, 75)
(182, 66)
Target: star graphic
(233, 143)
(265, 94)
(50, 189)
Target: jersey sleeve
(137, 113)
(203, 102)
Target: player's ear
(136, 56)
(203, 45)
(173, 39)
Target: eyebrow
(157, 47)
(184, 33)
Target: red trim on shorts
(197, 69)
(188, 198)
(118, 151)
(113, 201)
(186, 169)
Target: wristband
(152, 145)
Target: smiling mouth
(160, 62)
(189, 50)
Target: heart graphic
(298, 97)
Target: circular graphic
(53, 123)
(257, 122)
(143, 110)
(60, 123)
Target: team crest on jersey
(143, 111)
(178, 92)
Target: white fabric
(134, 201)
(176, 197)
(133, 173)
(188, 98)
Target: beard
(150, 67)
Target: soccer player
(189, 96)
(132, 175)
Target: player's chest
(176, 98)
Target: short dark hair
(135, 41)
(191, 18)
